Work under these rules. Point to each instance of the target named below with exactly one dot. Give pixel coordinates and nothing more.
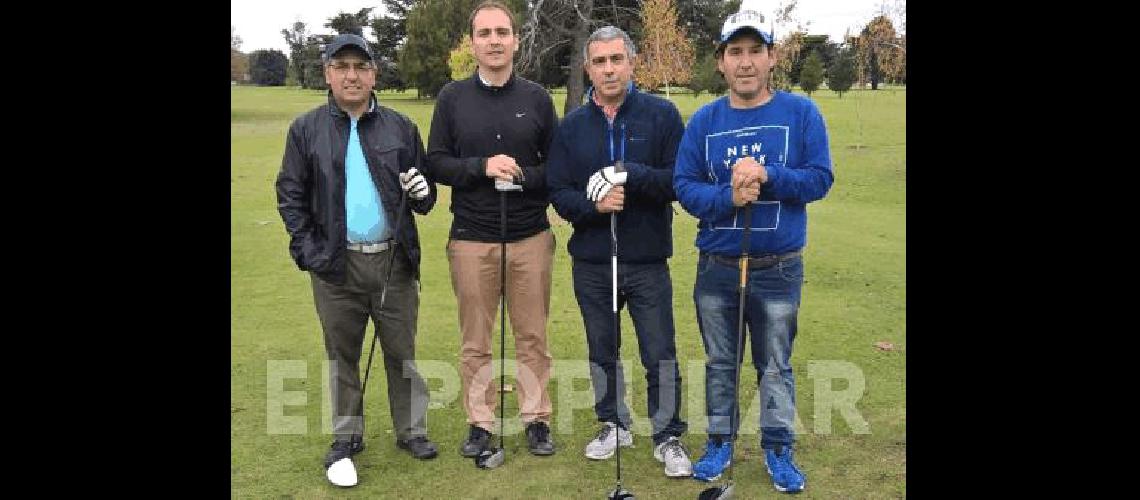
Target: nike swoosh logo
(520, 115)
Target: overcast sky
(259, 22)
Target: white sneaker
(675, 457)
(602, 447)
(342, 473)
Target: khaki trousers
(475, 280)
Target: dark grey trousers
(344, 312)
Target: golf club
(491, 458)
(618, 492)
(726, 491)
(383, 294)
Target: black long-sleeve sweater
(473, 122)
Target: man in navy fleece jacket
(642, 131)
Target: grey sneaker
(675, 457)
(602, 447)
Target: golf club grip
(745, 244)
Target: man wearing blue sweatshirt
(619, 125)
(768, 149)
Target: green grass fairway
(854, 296)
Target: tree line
(418, 44)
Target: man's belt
(372, 247)
(759, 262)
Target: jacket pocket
(308, 253)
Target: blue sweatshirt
(646, 131)
(789, 135)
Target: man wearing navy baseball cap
(349, 181)
(348, 40)
(748, 165)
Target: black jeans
(648, 291)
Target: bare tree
(896, 11)
(239, 62)
(550, 24)
(788, 45)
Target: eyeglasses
(341, 67)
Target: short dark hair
(605, 34)
(492, 4)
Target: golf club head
(620, 494)
(717, 493)
(490, 458)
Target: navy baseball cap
(745, 19)
(348, 40)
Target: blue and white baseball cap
(745, 19)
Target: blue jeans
(649, 292)
(771, 304)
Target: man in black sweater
(489, 138)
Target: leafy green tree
(295, 37)
(842, 72)
(268, 67)
(706, 78)
(812, 75)
(311, 62)
(462, 61)
(344, 22)
(424, 55)
(702, 20)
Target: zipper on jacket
(610, 135)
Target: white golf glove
(602, 181)
(415, 184)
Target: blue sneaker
(786, 477)
(714, 461)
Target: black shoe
(477, 440)
(419, 446)
(343, 449)
(538, 439)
